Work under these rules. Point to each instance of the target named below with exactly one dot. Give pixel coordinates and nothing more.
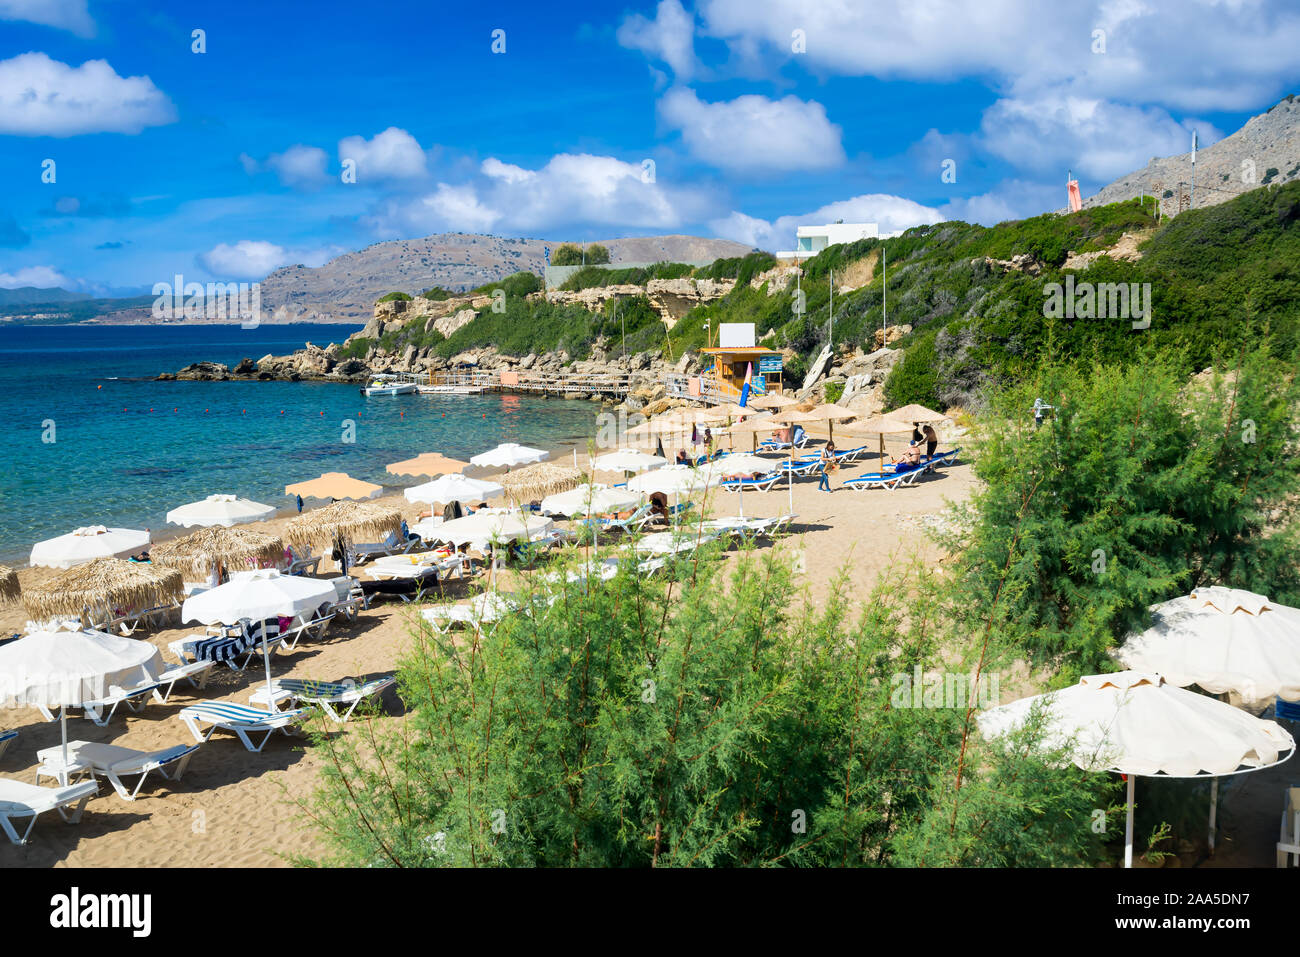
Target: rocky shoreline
(854, 377)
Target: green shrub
(393, 297)
(914, 378)
(566, 254)
(356, 348)
(834, 390)
(437, 294)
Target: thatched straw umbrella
(9, 588)
(210, 549)
(343, 523)
(540, 480)
(101, 586)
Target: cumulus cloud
(302, 167)
(42, 277)
(1206, 55)
(254, 258)
(43, 97)
(71, 15)
(392, 154)
(754, 133)
(571, 189)
(890, 213)
(1097, 138)
(669, 37)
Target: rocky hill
(345, 288)
(1265, 151)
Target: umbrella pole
(63, 723)
(266, 661)
(1128, 824)
(789, 477)
(1214, 810)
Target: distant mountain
(345, 288)
(31, 295)
(1265, 151)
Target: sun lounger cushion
(19, 799)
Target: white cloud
(246, 259)
(890, 213)
(255, 258)
(669, 37)
(754, 133)
(392, 154)
(71, 15)
(299, 166)
(571, 189)
(42, 277)
(1185, 54)
(43, 97)
(1100, 139)
(1010, 199)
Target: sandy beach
(236, 808)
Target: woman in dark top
(917, 437)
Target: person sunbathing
(910, 459)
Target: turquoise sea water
(126, 449)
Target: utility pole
(830, 319)
(1191, 204)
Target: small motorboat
(384, 386)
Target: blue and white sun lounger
(890, 481)
(114, 761)
(760, 483)
(6, 737)
(240, 720)
(18, 799)
(326, 694)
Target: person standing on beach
(917, 437)
(931, 441)
(824, 481)
(299, 504)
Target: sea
(92, 439)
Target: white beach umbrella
(588, 500)
(673, 480)
(453, 488)
(1225, 640)
(223, 510)
(86, 544)
(508, 455)
(503, 526)
(628, 460)
(1134, 723)
(63, 669)
(258, 595)
(740, 463)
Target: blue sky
(756, 115)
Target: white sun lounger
(114, 761)
(196, 673)
(18, 799)
(326, 694)
(240, 720)
(101, 712)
